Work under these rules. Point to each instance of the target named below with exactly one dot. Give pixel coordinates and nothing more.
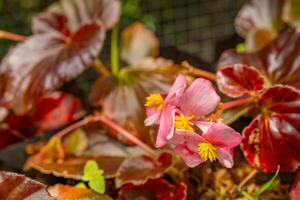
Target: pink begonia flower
(182, 108)
(216, 142)
(162, 110)
(295, 191)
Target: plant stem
(100, 68)
(128, 135)
(198, 72)
(114, 54)
(12, 36)
(235, 103)
(106, 121)
(247, 178)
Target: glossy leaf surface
(45, 61)
(273, 137)
(278, 62)
(239, 80)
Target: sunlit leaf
(64, 192)
(137, 170)
(45, 61)
(278, 62)
(273, 137)
(16, 187)
(239, 80)
(137, 43)
(76, 142)
(94, 176)
(155, 189)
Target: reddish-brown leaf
(17, 187)
(273, 137)
(80, 12)
(295, 190)
(45, 61)
(155, 189)
(239, 80)
(123, 99)
(137, 170)
(65, 192)
(73, 167)
(278, 62)
(55, 110)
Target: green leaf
(247, 195)
(76, 142)
(268, 184)
(80, 185)
(231, 115)
(241, 48)
(94, 176)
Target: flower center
(155, 100)
(182, 122)
(207, 152)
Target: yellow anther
(155, 100)
(207, 151)
(184, 123)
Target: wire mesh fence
(193, 26)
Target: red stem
(109, 123)
(12, 36)
(238, 102)
(198, 72)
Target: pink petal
(203, 126)
(199, 99)
(190, 158)
(176, 90)
(166, 125)
(190, 139)
(224, 157)
(222, 136)
(152, 119)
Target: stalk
(114, 54)
(235, 103)
(12, 36)
(191, 70)
(100, 68)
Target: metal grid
(193, 26)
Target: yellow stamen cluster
(184, 123)
(155, 100)
(207, 152)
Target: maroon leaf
(137, 170)
(55, 110)
(273, 137)
(17, 187)
(155, 189)
(278, 61)
(259, 21)
(65, 192)
(45, 61)
(239, 80)
(80, 12)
